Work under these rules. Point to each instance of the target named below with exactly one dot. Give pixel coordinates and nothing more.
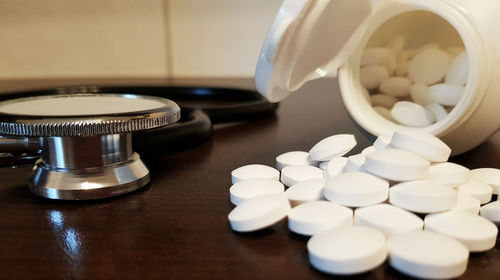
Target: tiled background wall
(60, 39)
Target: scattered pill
(294, 158)
(333, 146)
(423, 196)
(367, 150)
(468, 203)
(411, 114)
(420, 94)
(371, 76)
(425, 145)
(396, 86)
(388, 219)
(490, 176)
(347, 250)
(292, 175)
(254, 171)
(397, 165)
(478, 189)
(310, 190)
(438, 111)
(382, 142)
(322, 165)
(356, 189)
(355, 163)
(335, 167)
(458, 73)
(259, 212)
(427, 255)
(491, 211)
(449, 174)
(475, 232)
(429, 66)
(251, 188)
(383, 100)
(314, 217)
(446, 94)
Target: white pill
(420, 94)
(367, 150)
(467, 203)
(355, 163)
(379, 56)
(294, 158)
(314, 217)
(411, 114)
(396, 86)
(322, 165)
(478, 234)
(335, 167)
(423, 144)
(382, 142)
(449, 174)
(259, 212)
(388, 219)
(384, 112)
(491, 211)
(254, 171)
(438, 111)
(397, 165)
(427, 255)
(423, 196)
(251, 188)
(478, 189)
(347, 250)
(490, 176)
(371, 76)
(383, 100)
(446, 94)
(310, 190)
(458, 73)
(429, 66)
(356, 189)
(292, 175)
(333, 146)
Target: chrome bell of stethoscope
(85, 141)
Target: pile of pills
(416, 87)
(399, 200)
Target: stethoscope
(89, 153)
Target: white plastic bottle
(310, 39)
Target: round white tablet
(423, 144)
(347, 250)
(446, 94)
(305, 191)
(467, 203)
(458, 73)
(355, 163)
(411, 114)
(475, 232)
(448, 173)
(314, 217)
(259, 212)
(356, 189)
(371, 76)
(335, 167)
(478, 189)
(254, 171)
(397, 165)
(292, 175)
(382, 142)
(420, 94)
(490, 176)
(429, 66)
(251, 188)
(423, 196)
(383, 100)
(491, 211)
(387, 219)
(438, 111)
(294, 158)
(427, 255)
(396, 86)
(333, 146)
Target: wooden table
(177, 227)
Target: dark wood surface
(177, 227)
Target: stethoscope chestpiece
(86, 140)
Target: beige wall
(60, 39)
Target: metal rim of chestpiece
(86, 140)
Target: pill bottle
(312, 39)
